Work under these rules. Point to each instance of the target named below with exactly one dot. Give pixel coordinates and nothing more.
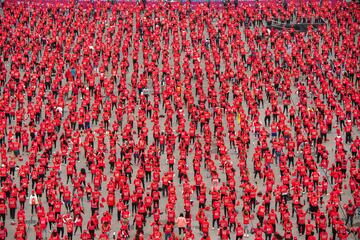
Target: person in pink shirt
(181, 223)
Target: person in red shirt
(3, 210)
(309, 229)
(301, 219)
(268, 229)
(246, 221)
(204, 225)
(322, 225)
(168, 230)
(3, 231)
(111, 202)
(85, 235)
(67, 198)
(216, 217)
(205, 237)
(239, 231)
(139, 221)
(78, 223)
(38, 232)
(54, 235)
(261, 213)
(91, 226)
(350, 213)
(224, 233)
(12, 206)
(312, 236)
(60, 225)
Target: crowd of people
(180, 121)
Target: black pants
(33, 208)
(60, 230)
(76, 228)
(342, 124)
(291, 161)
(261, 220)
(292, 119)
(217, 223)
(111, 209)
(51, 224)
(92, 233)
(69, 176)
(133, 207)
(256, 173)
(349, 218)
(348, 137)
(68, 205)
(12, 213)
(301, 228)
(232, 227)
(267, 120)
(164, 190)
(197, 190)
(12, 171)
(148, 176)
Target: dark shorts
(17, 153)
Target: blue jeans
(277, 156)
(167, 236)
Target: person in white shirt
(33, 201)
